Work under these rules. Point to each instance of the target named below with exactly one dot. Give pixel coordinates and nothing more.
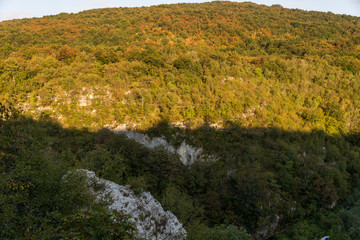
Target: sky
(14, 9)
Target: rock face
(187, 153)
(267, 230)
(150, 219)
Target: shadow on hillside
(263, 178)
(234, 138)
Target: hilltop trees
(213, 62)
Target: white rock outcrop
(150, 219)
(188, 154)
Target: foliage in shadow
(263, 179)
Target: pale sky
(12, 9)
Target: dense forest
(273, 93)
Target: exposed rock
(249, 112)
(216, 126)
(252, 110)
(188, 154)
(150, 219)
(85, 101)
(179, 125)
(267, 230)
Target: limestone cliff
(150, 219)
(188, 154)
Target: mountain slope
(215, 62)
(273, 93)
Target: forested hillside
(215, 62)
(272, 93)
